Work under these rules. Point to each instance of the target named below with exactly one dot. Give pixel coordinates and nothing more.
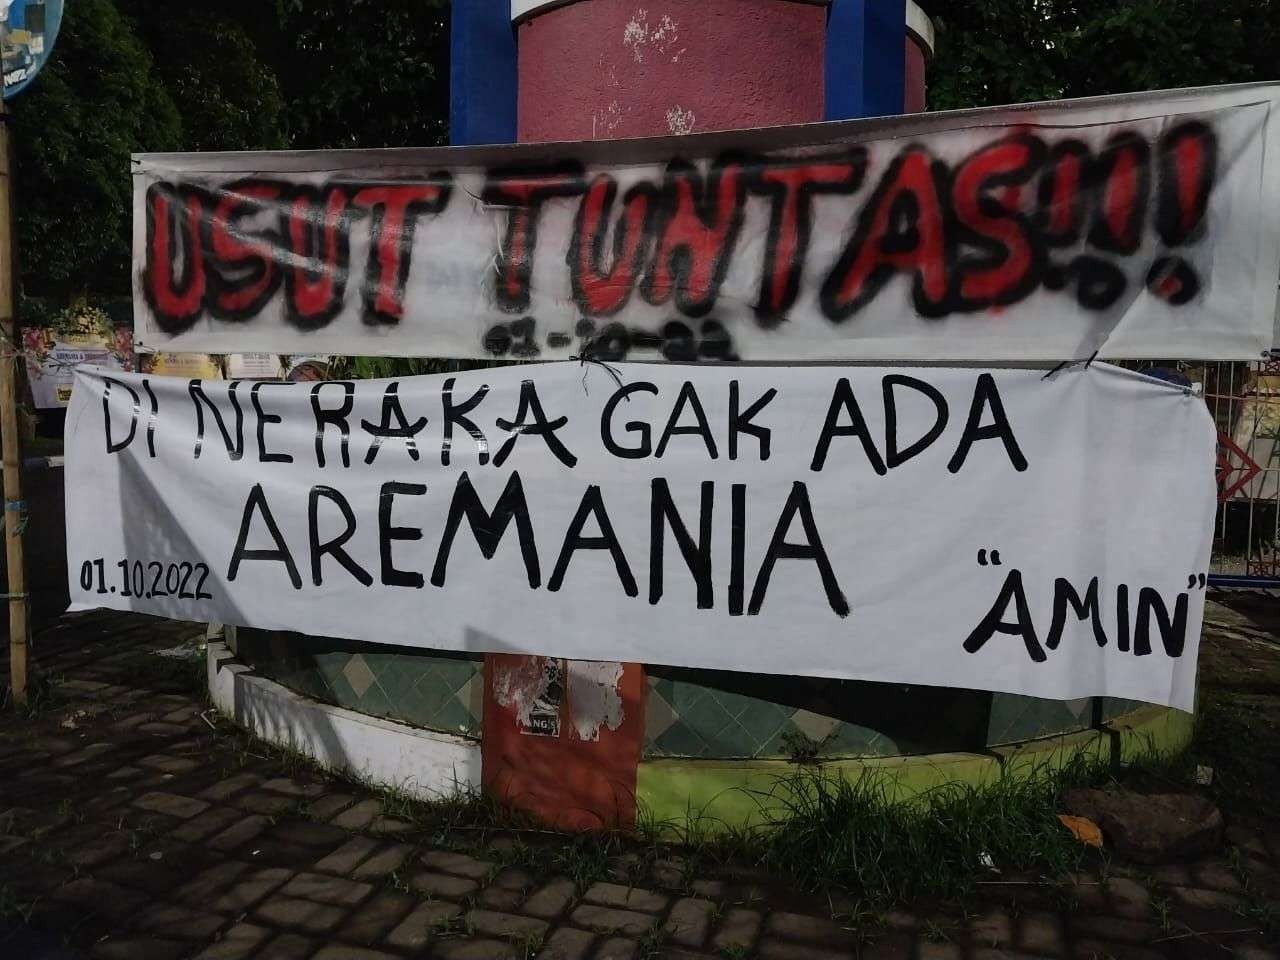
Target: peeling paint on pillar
(681, 121)
(533, 689)
(595, 698)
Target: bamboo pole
(9, 446)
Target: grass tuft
(44, 695)
(850, 833)
(822, 829)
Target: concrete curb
(422, 763)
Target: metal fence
(1244, 399)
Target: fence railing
(1244, 400)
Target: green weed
(398, 882)
(935, 932)
(530, 945)
(1162, 910)
(178, 673)
(447, 927)
(651, 943)
(585, 859)
(715, 914)
(803, 749)
(825, 830)
(43, 696)
(1256, 908)
(816, 829)
(13, 907)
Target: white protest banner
(1144, 225)
(993, 529)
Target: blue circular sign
(28, 29)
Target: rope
(19, 507)
(585, 358)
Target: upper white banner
(956, 527)
(1135, 226)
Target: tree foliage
(130, 76)
(227, 96)
(1014, 51)
(365, 73)
(95, 103)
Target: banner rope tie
(20, 508)
(584, 359)
(1071, 363)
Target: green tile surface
(433, 690)
(690, 713)
(715, 715)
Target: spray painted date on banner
(148, 579)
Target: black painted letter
(257, 502)
(489, 527)
(392, 577)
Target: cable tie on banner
(1085, 364)
(15, 596)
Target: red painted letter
(319, 226)
(1188, 169)
(395, 209)
(1006, 269)
(175, 302)
(901, 229)
(598, 291)
(245, 269)
(1124, 174)
(522, 194)
(697, 229)
(791, 187)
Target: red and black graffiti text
(1025, 212)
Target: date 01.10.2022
(147, 579)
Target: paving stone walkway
(137, 825)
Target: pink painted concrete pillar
(920, 42)
(600, 69)
(604, 69)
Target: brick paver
(550, 900)
(689, 922)
(611, 920)
(136, 831)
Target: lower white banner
(1000, 530)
